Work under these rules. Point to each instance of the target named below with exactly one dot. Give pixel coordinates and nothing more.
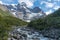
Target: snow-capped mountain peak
(14, 5)
(21, 11)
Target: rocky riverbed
(25, 33)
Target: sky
(48, 6)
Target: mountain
(52, 20)
(4, 8)
(21, 11)
(4, 11)
(56, 13)
(7, 21)
(36, 10)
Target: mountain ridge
(25, 11)
(6, 23)
(52, 20)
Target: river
(26, 33)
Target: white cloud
(57, 0)
(48, 12)
(56, 7)
(29, 3)
(42, 2)
(1, 2)
(13, 5)
(49, 5)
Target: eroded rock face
(31, 34)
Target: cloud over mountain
(1, 2)
(45, 5)
(29, 3)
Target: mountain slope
(55, 14)
(5, 13)
(6, 23)
(21, 11)
(52, 20)
(4, 8)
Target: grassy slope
(6, 21)
(4, 13)
(52, 20)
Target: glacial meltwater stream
(25, 33)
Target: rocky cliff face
(21, 11)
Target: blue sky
(48, 6)
(10, 1)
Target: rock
(51, 33)
(31, 34)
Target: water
(25, 33)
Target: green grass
(6, 23)
(5, 13)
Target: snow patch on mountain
(25, 13)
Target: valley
(18, 22)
